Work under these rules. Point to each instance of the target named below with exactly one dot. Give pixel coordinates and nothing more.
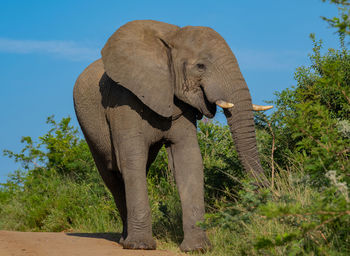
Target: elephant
(152, 84)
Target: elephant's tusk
(261, 108)
(224, 104)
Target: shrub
(59, 187)
(312, 120)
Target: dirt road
(61, 244)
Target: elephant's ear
(137, 57)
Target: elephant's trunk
(231, 93)
(240, 119)
(241, 123)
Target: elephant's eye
(201, 66)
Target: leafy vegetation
(306, 145)
(58, 188)
(342, 22)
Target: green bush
(59, 188)
(220, 160)
(312, 121)
(305, 143)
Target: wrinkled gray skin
(153, 82)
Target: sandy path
(60, 244)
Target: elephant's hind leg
(114, 182)
(101, 149)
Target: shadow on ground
(114, 237)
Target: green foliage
(219, 159)
(159, 169)
(233, 214)
(60, 149)
(292, 219)
(55, 203)
(341, 23)
(59, 188)
(312, 120)
(166, 209)
(305, 143)
(321, 225)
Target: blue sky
(44, 45)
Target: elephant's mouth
(208, 109)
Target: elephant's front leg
(132, 154)
(186, 162)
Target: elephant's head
(157, 61)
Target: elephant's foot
(196, 243)
(123, 237)
(121, 240)
(139, 242)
